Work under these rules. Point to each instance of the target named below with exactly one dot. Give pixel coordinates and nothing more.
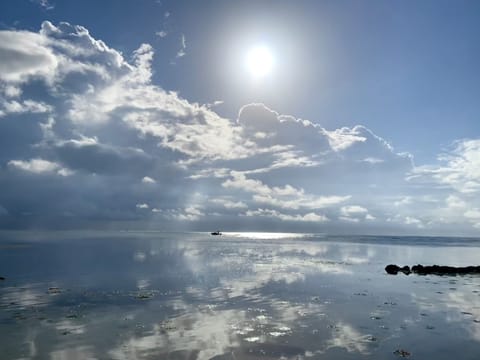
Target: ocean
(154, 295)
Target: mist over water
(235, 296)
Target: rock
(2, 278)
(445, 270)
(433, 269)
(392, 269)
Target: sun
(259, 61)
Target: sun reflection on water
(267, 235)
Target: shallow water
(236, 296)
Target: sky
(354, 117)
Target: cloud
(229, 204)
(372, 160)
(25, 55)
(309, 217)
(183, 47)
(284, 197)
(45, 4)
(87, 154)
(459, 168)
(355, 213)
(341, 139)
(39, 166)
(474, 216)
(84, 128)
(26, 106)
(353, 210)
(161, 34)
(148, 180)
(191, 213)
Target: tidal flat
(153, 295)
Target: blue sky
(367, 122)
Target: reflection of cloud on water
(287, 270)
(209, 330)
(80, 353)
(248, 269)
(66, 327)
(139, 256)
(25, 296)
(347, 337)
(143, 284)
(201, 299)
(467, 309)
(458, 305)
(205, 330)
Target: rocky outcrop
(433, 269)
(394, 269)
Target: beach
(153, 295)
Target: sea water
(138, 295)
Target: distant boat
(216, 233)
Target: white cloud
(455, 202)
(26, 106)
(161, 33)
(39, 166)
(148, 180)
(190, 213)
(409, 220)
(45, 4)
(405, 200)
(183, 47)
(24, 55)
(343, 138)
(370, 217)
(372, 160)
(459, 169)
(309, 217)
(474, 216)
(211, 173)
(11, 91)
(353, 210)
(355, 213)
(287, 197)
(229, 204)
(142, 206)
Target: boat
(216, 233)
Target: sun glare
(260, 61)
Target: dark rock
(432, 269)
(2, 278)
(392, 269)
(445, 270)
